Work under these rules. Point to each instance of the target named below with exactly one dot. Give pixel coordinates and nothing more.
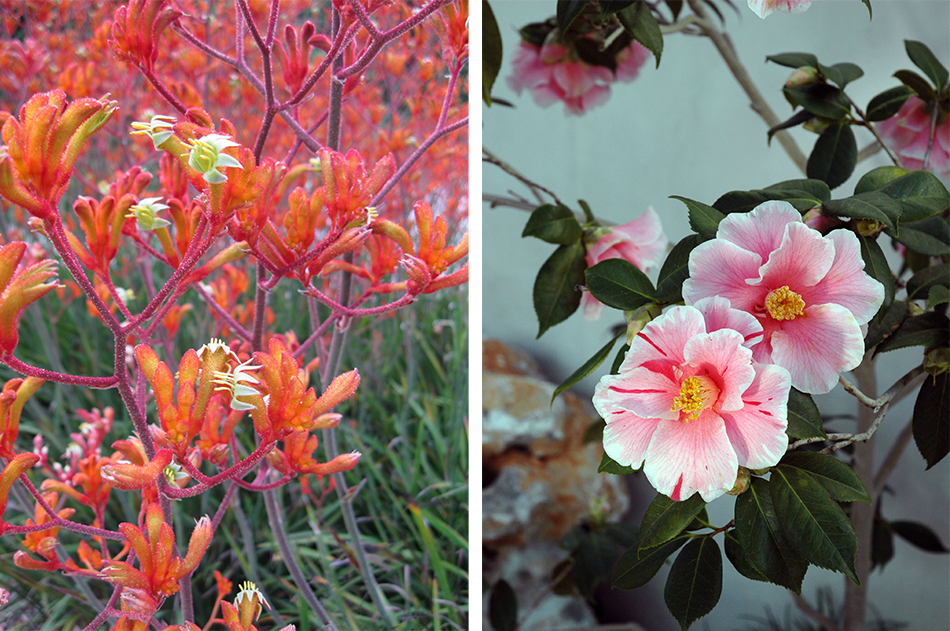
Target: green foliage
(491, 52)
(888, 103)
(694, 584)
(675, 270)
(553, 224)
(666, 519)
(703, 219)
(837, 478)
(931, 424)
(503, 607)
(636, 567)
(619, 284)
(834, 156)
(555, 293)
(609, 465)
(588, 367)
(804, 419)
(638, 20)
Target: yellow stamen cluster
(692, 398)
(784, 304)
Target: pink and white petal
(802, 260)
(764, 8)
(719, 314)
(646, 242)
(722, 268)
(597, 95)
(627, 437)
(591, 307)
(762, 229)
(684, 458)
(817, 347)
(721, 356)
(574, 77)
(547, 93)
(665, 337)
(846, 283)
(646, 393)
(604, 248)
(757, 431)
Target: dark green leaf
(618, 360)
(567, 11)
(555, 289)
(695, 581)
(884, 324)
(919, 536)
(841, 74)
(703, 219)
(503, 607)
(794, 60)
(593, 561)
(930, 236)
(804, 419)
(589, 366)
(675, 7)
(798, 118)
(834, 156)
(812, 522)
(888, 103)
(867, 3)
(927, 329)
(875, 264)
(700, 521)
(594, 433)
(802, 194)
(837, 477)
(926, 61)
(588, 215)
(554, 224)
(491, 51)
(610, 7)
(665, 519)
(871, 205)
(812, 190)
(736, 556)
(763, 541)
(619, 284)
(938, 295)
(916, 83)
(638, 20)
(636, 567)
(921, 194)
(675, 270)
(562, 578)
(876, 178)
(882, 542)
(931, 424)
(919, 285)
(623, 534)
(609, 465)
(820, 99)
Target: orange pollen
(784, 304)
(696, 395)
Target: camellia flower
(809, 292)
(908, 133)
(691, 406)
(641, 242)
(763, 8)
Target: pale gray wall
(686, 129)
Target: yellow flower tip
(249, 590)
(784, 304)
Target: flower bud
(341, 388)
(937, 361)
(132, 477)
(868, 227)
(806, 75)
(639, 318)
(419, 276)
(743, 481)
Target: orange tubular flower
(132, 476)
(88, 487)
(43, 145)
(102, 222)
(42, 542)
(434, 254)
(285, 406)
(18, 290)
(296, 456)
(452, 27)
(160, 569)
(349, 190)
(16, 466)
(295, 57)
(136, 29)
(12, 398)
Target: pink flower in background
(762, 8)
(809, 292)
(908, 134)
(552, 75)
(641, 242)
(691, 405)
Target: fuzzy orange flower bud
(132, 477)
(19, 290)
(136, 29)
(16, 466)
(12, 399)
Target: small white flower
(125, 295)
(158, 128)
(234, 382)
(207, 157)
(216, 344)
(249, 590)
(173, 472)
(146, 211)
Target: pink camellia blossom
(809, 292)
(908, 134)
(629, 61)
(641, 242)
(691, 405)
(763, 8)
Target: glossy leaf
(876, 178)
(938, 295)
(820, 99)
(931, 424)
(798, 118)
(737, 557)
(665, 519)
(619, 284)
(491, 51)
(834, 156)
(841, 74)
(884, 324)
(875, 264)
(794, 60)
(927, 62)
(609, 8)
(636, 567)
(553, 224)
(618, 360)
(593, 560)
(759, 533)
(802, 194)
(503, 607)
(927, 329)
(804, 419)
(930, 236)
(812, 522)
(588, 367)
(694, 584)
(703, 219)
(916, 83)
(919, 536)
(609, 465)
(638, 20)
(594, 432)
(838, 478)
(567, 12)
(556, 295)
(871, 205)
(920, 283)
(675, 270)
(882, 541)
(920, 194)
(888, 103)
